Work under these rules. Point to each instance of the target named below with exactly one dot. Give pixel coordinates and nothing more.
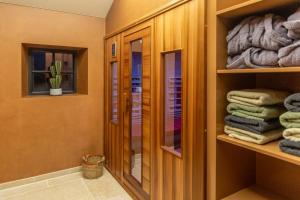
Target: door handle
(127, 102)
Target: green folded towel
(292, 134)
(255, 112)
(253, 137)
(290, 119)
(257, 97)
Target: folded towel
(292, 102)
(255, 126)
(257, 97)
(265, 32)
(290, 55)
(253, 58)
(252, 137)
(255, 112)
(292, 134)
(239, 38)
(270, 33)
(290, 147)
(290, 119)
(293, 25)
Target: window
(39, 62)
(172, 102)
(114, 92)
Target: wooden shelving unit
(270, 149)
(260, 70)
(240, 170)
(253, 6)
(254, 193)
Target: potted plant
(56, 78)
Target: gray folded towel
(253, 58)
(293, 25)
(292, 102)
(290, 56)
(255, 126)
(239, 38)
(290, 147)
(270, 34)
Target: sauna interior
(150, 100)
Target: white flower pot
(56, 92)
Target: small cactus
(56, 78)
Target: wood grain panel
(176, 30)
(166, 176)
(278, 176)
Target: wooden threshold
(270, 149)
(253, 6)
(259, 70)
(254, 192)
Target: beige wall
(124, 12)
(41, 134)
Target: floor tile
(69, 187)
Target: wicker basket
(92, 166)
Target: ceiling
(96, 8)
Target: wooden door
(113, 137)
(136, 76)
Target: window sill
(47, 95)
(172, 151)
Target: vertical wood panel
(177, 29)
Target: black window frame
(31, 70)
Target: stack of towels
(265, 42)
(254, 115)
(290, 55)
(254, 43)
(291, 121)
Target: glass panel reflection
(41, 60)
(136, 110)
(66, 60)
(40, 82)
(114, 92)
(172, 101)
(67, 83)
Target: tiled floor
(69, 187)
(137, 167)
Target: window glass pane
(66, 60)
(173, 101)
(67, 83)
(40, 82)
(136, 110)
(114, 92)
(41, 60)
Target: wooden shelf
(270, 149)
(260, 70)
(253, 6)
(254, 192)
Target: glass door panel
(114, 92)
(136, 110)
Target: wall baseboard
(39, 178)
